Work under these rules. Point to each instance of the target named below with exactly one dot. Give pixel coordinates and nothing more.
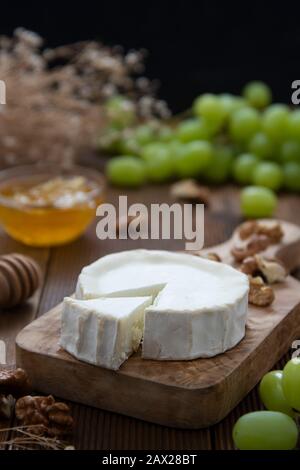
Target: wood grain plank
(102, 430)
(13, 320)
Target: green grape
(294, 124)
(265, 430)
(243, 168)
(258, 94)
(192, 129)
(291, 175)
(291, 383)
(120, 111)
(159, 162)
(144, 134)
(275, 121)
(260, 145)
(290, 151)
(268, 174)
(192, 158)
(174, 147)
(160, 168)
(128, 146)
(219, 168)
(211, 108)
(150, 150)
(271, 393)
(126, 171)
(257, 201)
(244, 123)
(231, 103)
(165, 134)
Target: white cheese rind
(104, 332)
(197, 333)
(199, 306)
(146, 272)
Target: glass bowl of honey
(44, 205)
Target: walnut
(274, 232)
(256, 244)
(14, 382)
(260, 294)
(211, 256)
(189, 190)
(249, 266)
(247, 229)
(31, 411)
(240, 253)
(272, 270)
(60, 419)
(52, 418)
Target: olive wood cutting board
(184, 394)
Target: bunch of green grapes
(276, 428)
(244, 138)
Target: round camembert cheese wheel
(198, 306)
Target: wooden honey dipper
(20, 276)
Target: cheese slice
(104, 332)
(199, 306)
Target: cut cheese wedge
(104, 332)
(198, 309)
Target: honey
(50, 212)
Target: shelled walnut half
(247, 229)
(256, 244)
(260, 294)
(50, 417)
(271, 270)
(253, 227)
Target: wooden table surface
(97, 429)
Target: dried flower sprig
(55, 96)
(26, 438)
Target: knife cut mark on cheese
(194, 308)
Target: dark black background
(193, 47)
